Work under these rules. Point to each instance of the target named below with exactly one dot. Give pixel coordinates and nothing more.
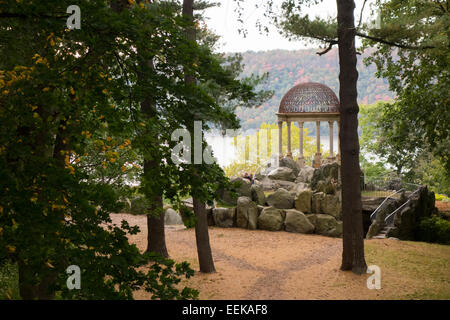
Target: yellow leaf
(72, 91)
(11, 249)
(46, 89)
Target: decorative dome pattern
(309, 97)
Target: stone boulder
(271, 219)
(258, 194)
(290, 163)
(282, 173)
(246, 213)
(210, 217)
(297, 222)
(224, 217)
(316, 202)
(326, 178)
(281, 199)
(420, 204)
(242, 189)
(305, 174)
(326, 225)
(303, 200)
(331, 205)
(172, 217)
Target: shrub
(434, 229)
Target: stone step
(380, 236)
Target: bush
(434, 229)
(442, 197)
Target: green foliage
(434, 229)
(386, 137)
(69, 108)
(417, 69)
(442, 197)
(9, 279)
(188, 217)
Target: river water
(225, 152)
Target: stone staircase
(382, 234)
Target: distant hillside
(287, 68)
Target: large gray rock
(210, 217)
(243, 189)
(224, 217)
(316, 202)
(267, 184)
(281, 199)
(326, 178)
(290, 163)
(296, 221)
(305, 174)
(258, 194)
(331, 205)
(270, 219)
(172, 217)
(288, 185)
(326, 225)
(303, 200)
(246, 213)
(282, 173)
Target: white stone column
(331, 125)
(338, 156)
(318, 156)
(301, 159)
(289, 151)
(280, 139)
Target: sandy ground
(272, 265)
(443, 206)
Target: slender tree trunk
(156, 238)
(204, 253)
(353, 238)
(205, 258)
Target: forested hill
(287, 68)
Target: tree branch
(394, 44)
(330, 46)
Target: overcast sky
(223, 20)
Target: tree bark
(156, 238)
(205, 258)
(204, 252)
(353, 238)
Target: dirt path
(280, 265)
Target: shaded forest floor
(281, 265)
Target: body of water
(225, 152)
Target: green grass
(379, 194)
(422, 267)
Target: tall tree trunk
(204, 253)
(205, 258)
(353, 238)
(156, 238)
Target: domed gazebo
(308, 102)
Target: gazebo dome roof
(309, 97)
